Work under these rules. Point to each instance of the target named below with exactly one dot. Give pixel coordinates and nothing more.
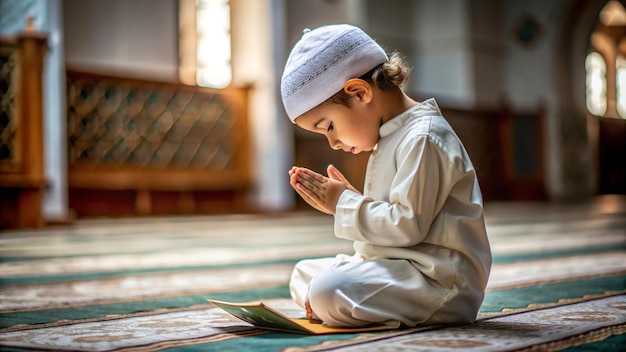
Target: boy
(421, 250)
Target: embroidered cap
(322, 61)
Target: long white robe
(421, 249)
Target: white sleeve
(418, 191)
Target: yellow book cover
(259, 314)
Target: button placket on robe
(371, 162)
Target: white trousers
(349, 291)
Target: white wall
(444, 65)
(528, 78)
(453, 46)
(487, 51)
(311, 14)
(138, 37)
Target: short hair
(392, 74)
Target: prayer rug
(558, 283)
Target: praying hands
(319, 191)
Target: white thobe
(421, 249)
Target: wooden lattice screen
(149, 137)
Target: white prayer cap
(322, 61)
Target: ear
(359, 89)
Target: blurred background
(115, 108)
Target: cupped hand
(319, 191)
(335, 174)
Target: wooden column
(25, 181)
(33, 46)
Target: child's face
(352, 129)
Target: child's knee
(323, 288)
(330, 300)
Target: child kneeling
(422, 255)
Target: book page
(261, 315)
(257, 314)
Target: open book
(259, 314)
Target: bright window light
(620, 64)
(213, 54)
(596, 83)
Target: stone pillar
(257, 34)
(55, 202)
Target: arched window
(606, 65)
(205, 50)
(596, 84)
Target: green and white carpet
(558, 283)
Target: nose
(334, 144)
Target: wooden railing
(22, 180)
(145, 147)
